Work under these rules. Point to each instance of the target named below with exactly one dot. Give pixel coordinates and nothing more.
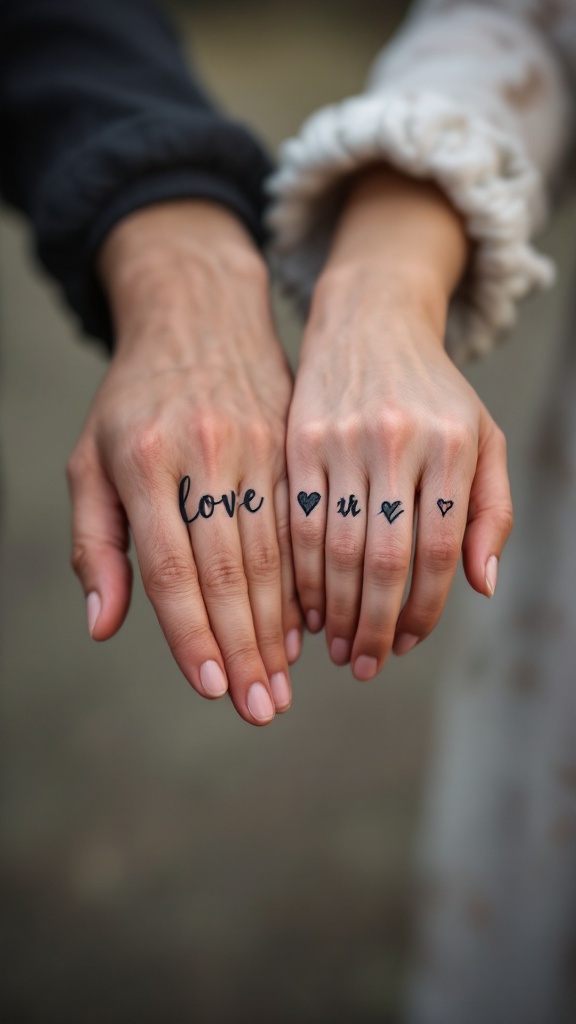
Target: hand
(198, 387)
(387, 437)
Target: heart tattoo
(391, 510)
(308, 502)
(444, 506)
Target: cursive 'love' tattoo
(308, 502)
(444, 505)
(352, 506)
(391, 510)
(207, 503)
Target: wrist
(162, 263)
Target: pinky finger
(99, 546)
(490, 516)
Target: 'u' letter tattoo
(351, 507)
(308, 502)
(391, 510)
(444, 505)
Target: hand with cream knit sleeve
(404, 220)
(473, 94)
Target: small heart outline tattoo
(389, 509)
(444, 504)
(308, 502)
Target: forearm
(398, 239)
(163, 266)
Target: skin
(198, 385)
(379, 410)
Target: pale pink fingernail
(313, 621)
(280, 691)
(492, 574)
(405, 642)
(340, 651)
(213, 679)
(93, 609)
(293, 645)
(365, 668)
(259, 704)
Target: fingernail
(280, 691)
(340, 651)
(293, 645)
(491, 574)
(93, 609)
(213, 679)
(313, 621)
(259, 704)
(405, 642)
(365, 668)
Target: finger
(218, 555)
(308, 512)
(262, 567)
(490, 515)
(99, 546)
(170, 580)
(440, 529)
(386, 566)
(345, 542)
(291, 612)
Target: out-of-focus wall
(162, 861)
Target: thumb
(99, 546)
(490, 516)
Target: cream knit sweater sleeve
(477, 96)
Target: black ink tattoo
(308, 502)
(352, 506)
(249, 498)
(391, 510)
(444, 505)
(207, 503)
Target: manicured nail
(293, 645)
(93, 609)
(365, 668)
(340, 651)
(405, 642)
(213, 679)
(259, 704)
(280, 691)
(491, 574)
(313, 621)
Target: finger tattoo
(308, 502)
(207, 503)
(391, 510)
(444, 505)
(352, 506)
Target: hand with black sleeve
(146, 204)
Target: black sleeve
(99, 115)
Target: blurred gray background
(161, 860)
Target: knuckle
(344, 553)
(308, 532)
(80, 558)
(441, 555)
(170, 574)
(187, 638)
(262, 561)
(307, 440)
(388, 566)
(222, 573)
(457, 438)
(242, 656)
(504, 519)
(212, 435)
(394, 429)
(144, 446)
